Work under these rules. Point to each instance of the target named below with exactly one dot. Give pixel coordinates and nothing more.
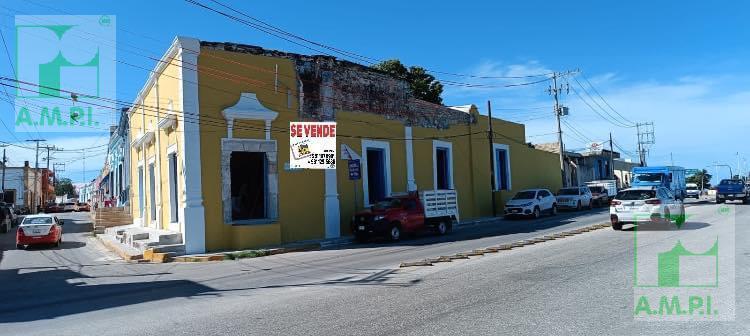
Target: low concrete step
(170, 238)
(138, 235)
(178, 249)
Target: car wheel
(667, 217)
(442, 227)
(590, 206)
(554, 210)
(536, 213)
(578, 206)
(395, 233)
(19, 246)
(617, 226)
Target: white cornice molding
(179, 45)
(168, 121)
(142, 139)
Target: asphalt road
(577, 285)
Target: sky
(681, 65)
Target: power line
(13, 71)
(579, 133)
(251, 81)
(266, 27)
(605, 101)
(625, 124)
(278, 129)
(615, 123)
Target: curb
(221, 256)
(152, 256)
(505, 247)
(117, 249)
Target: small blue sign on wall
(354, 170)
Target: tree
(423, 85)
(702, 175)
(65, 186)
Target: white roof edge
(179, 44)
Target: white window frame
(449, 146)
(506, 148)
(153, 213)
(174, 210)
(269, 149)
(386, 147)
(141, 170)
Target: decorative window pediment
(167, 122)
(143, 139)
(249, 108)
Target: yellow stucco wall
(300, 195)
(145, 117)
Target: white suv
(574, 198)
(531, 202)
(645, 205)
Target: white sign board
(312, 145)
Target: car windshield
(528, 194)
(692, 188)
(648, 177)
(731, 182)
(388, 203)
(596, 189)
(568, 191)
(38, 220)
(635, 195)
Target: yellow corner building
(209, 147)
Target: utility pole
(645, 137)
(56, 169)
(611, 157)
(5, 162)
(554, 90)
(671, 158)
(739, 172)
(490, 138)
(36, 180)
(44, 192)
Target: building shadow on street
(667, 226)
(48, 293)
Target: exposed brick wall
(328, 84)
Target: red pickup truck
(408, 213)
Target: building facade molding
(228, 146)
(192, 210)
(249, 107)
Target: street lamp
(731, 174)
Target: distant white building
(15, 188)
